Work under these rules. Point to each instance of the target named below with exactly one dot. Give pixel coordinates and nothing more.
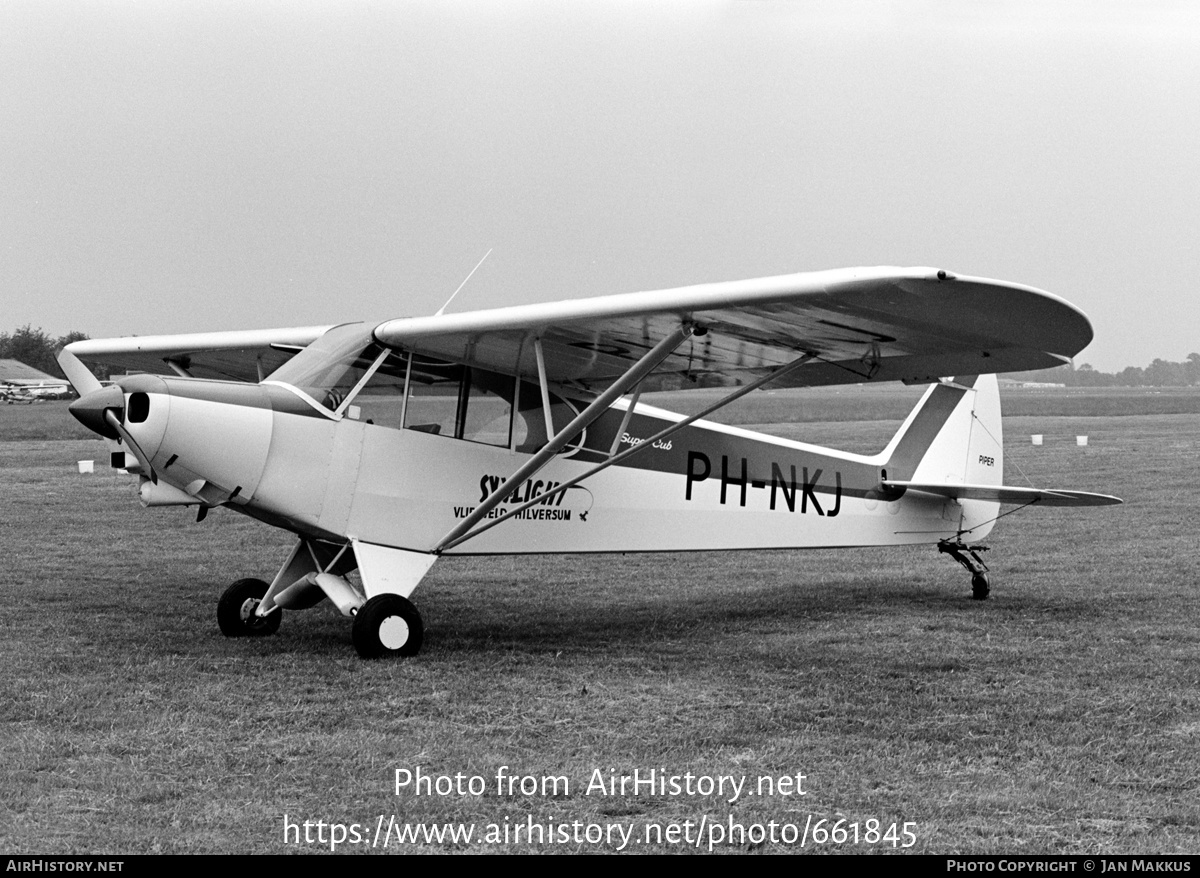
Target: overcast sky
(181, 166)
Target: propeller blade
(79, 375)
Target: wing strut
(599, 406)
(178, 366)
(541, 364)
(453, 540)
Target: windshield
(329, 368)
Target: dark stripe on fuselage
(740, 465)
(767, 466)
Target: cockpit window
(417, 393)
(433, 392)
(459, 401)
(529, 426)
(464, 402)
(486, 407)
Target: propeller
(102, 411)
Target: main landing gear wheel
(235, 610)
(980, 587)
(387, 625)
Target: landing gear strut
(385, 623)
(968, 557)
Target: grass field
(1061, 716)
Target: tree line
(33, 347)
(1160, 373)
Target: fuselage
(273, 452)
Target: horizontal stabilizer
(1005, 494)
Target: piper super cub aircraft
(385, 446)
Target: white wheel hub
(393, 632)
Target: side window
(529, 426)
(433, 392)
(461, 402)
(487, 407)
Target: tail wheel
(236, 610)
(388, 625)
(980, 587)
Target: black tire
(235, 610)
(387, 625)
(980, 587)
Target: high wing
(852, 325)
(243, 355)
(1006, 494)
(847, 325)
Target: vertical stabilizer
(954, 437)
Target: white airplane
(18, 391)
(385, 446)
